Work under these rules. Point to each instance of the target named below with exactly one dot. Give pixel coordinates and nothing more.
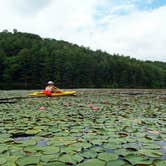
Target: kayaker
(50, 88)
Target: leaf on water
(123, 152)
(111, 146)
(92, 162)
(5, 138)
(76, 147)
(77, 158)
(107, 156)
(55, 163)
(3, 148)
(115, 163)
(151, 146)
(137, 160)
(134, 146)
(3, 160)
(98, 149)
(89, 154)
(27, 142)
(48, 158)
(97, 142)
(150, 153)
(86, 145)
(11, 161)
(33, 131)
(49, 149)
(145, 140)
(159, 162)
(27, 160)
(67, 158)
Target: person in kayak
(50, 88)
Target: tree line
(28, 61)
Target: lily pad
(3, 160)
(33, 131)
(56, 163)
(49, 158)
(150, 153)
(151, 146)
(107, 156)
(159, 163)
(49, 149)
(137, 160)
(27, 160)
(89, 154)
(67, 158)
(115, 163)
(92, 162)
(3, 148)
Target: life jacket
(48, 88)
(47, 93)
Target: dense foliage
(29, 61)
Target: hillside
(29, 61)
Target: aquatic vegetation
(96, 127)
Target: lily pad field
(97, 127)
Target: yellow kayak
(63, 93)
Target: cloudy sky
(135, 28)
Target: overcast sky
(135, 28)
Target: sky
(135, 28)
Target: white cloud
(139, 34)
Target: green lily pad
(159, 163)
(115, 163)
(77, 158)
(49, 149)
(27, 160)
(85, 145)
(33, 131)
(5, 138)
(29, 142)
(107, 156)
(151, 146)
(145, 140)
(49, 158)
(97, 149)
(67, 158)
(30, 149)
(135, 159)
(150, 152)
(56, 163)
(89, 154)
(76, 147)
(97, 142)
(92, 162)
(3, 160)
(111, 145)
(3, 148)
(131, 146)
(11, 161)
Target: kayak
(63, 93)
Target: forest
(28, 61)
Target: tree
(29, 61)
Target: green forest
(28, 61)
